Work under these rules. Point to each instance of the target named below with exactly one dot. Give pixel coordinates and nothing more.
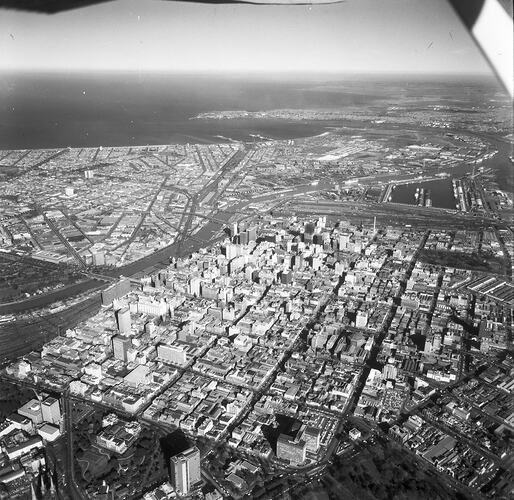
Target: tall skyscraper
(308, 234)
(252, 233)
(232, 250)
(120, 346)
(51, 410)
(243, 238)
(195, 283)
(123, 320)
(185, 470)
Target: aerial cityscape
(285, 288)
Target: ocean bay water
(441, 193)
(122, 109)
(52, 111)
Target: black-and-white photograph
(256, 250)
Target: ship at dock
(423, 197)
(428, 198)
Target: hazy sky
(146, 35)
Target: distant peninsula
(287, 114)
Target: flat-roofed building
(23, 448)
(120, 347)
(51, 410)
(20, 422)
(32, 410)
(175, 354)
(137, 376)
(311, 436)
(49, 432)
(185, 470)
(291, 450)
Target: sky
(356, 36)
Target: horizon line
(242, 72)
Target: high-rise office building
(243, 238)
(234, 229)
(361, 321)
(311, 436)
(286, 277)
(252, 233)
(344, 240)
(115, 291)
(309, 232)
(123, 320)
(232, 250)
(185, 470)
(120, 346)
(195, 283)
(51, 410)
(290, 449)
(98, 258)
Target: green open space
(474, 261)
